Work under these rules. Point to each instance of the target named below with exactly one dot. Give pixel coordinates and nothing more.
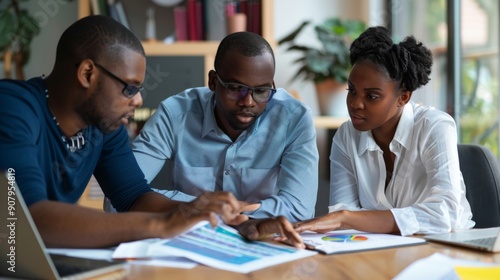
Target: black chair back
(481, 175)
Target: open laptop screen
(26, 256)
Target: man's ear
(85, 73)
(211, 80)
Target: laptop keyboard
(67, 265)
(65, 269)
(482, 242)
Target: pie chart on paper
(344, 238)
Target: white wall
(54, 17)
(289, 15)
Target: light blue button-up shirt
(274, 162)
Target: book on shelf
(195, 20)
(231, 8)
(207, 20)
(252, 10)
(242, 6)
(117, 12)
(191, 19)
(254, 16)
(198, 15)
(180, 21)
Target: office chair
(481, 175)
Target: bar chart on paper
(222, 247)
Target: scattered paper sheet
(439, 266)
(177, 262)
(221, 247)
(135, 250)
(142, 252)
(95, 254)
(345, 241)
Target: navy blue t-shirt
(31, 143)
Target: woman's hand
(323, 224)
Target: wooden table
(376, 264)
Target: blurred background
(462, 34)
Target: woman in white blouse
(394, 165)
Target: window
(477, 96)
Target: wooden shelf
(84, 201)
(92, 197)
(267, 24)
(181, 48)
(206, 49)
(329, 122)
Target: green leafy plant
(331, 59)
(17, 29)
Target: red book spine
(191, 19)
(258, 17)
(250, 15)
(199, 20)
(243, 6)
(180, 23)
(254, 16)
(230, 8)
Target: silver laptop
(23, 253)
(485, 239)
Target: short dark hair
(408, 62)
(95, 37)
(245, 43)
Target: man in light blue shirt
(240, 134)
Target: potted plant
(328, 65)
(17, 29)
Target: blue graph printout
(222, 247)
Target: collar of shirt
(210, 123)
(402, 137)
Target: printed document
(221, 247)
(439, 266)
(345, 241)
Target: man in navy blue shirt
(57, 131)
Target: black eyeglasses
(237, 91)
(129, 90)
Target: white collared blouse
(426, 193)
